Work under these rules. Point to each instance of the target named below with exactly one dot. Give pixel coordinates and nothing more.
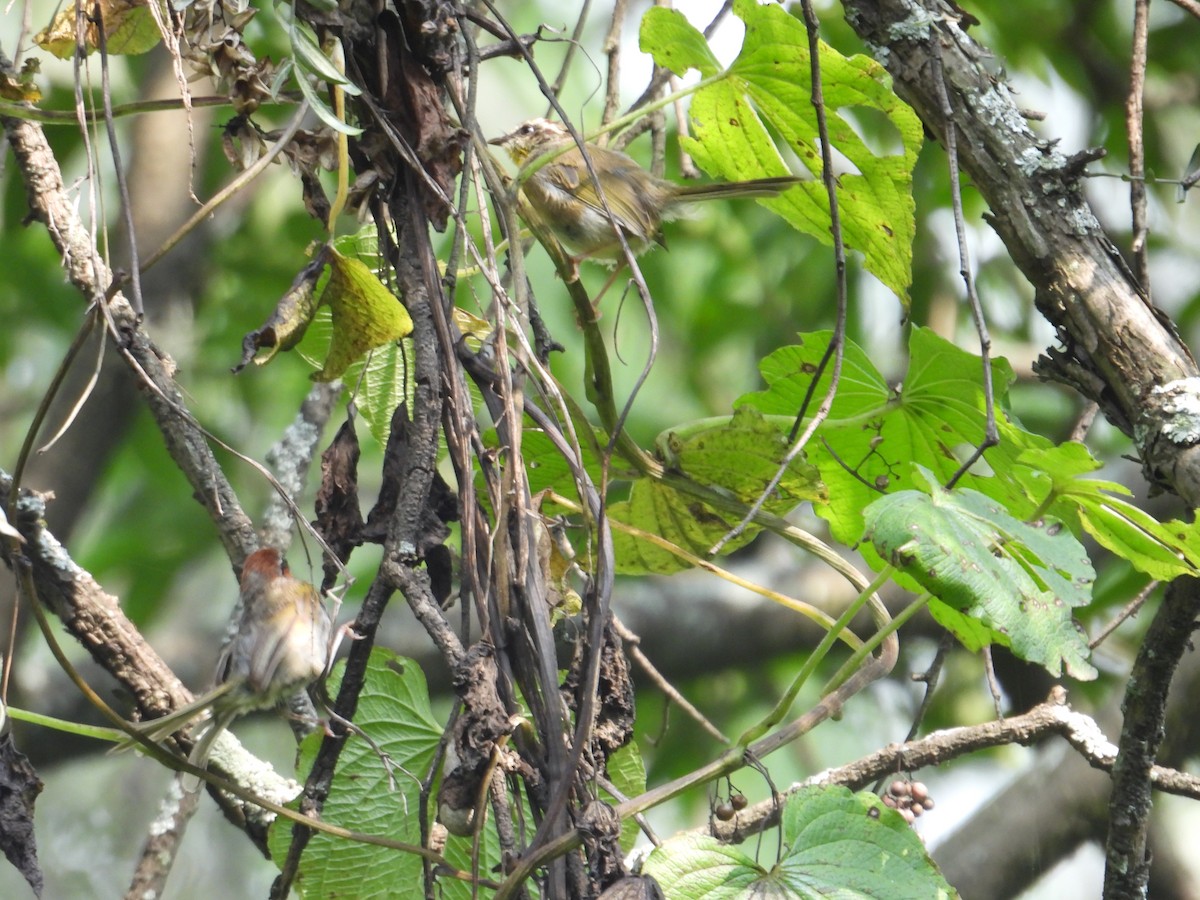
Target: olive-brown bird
(564, 197)
(281, 646)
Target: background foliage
(130, 520)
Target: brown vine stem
(11, 110)
(728, 762)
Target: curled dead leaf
(286, 325)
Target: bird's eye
(525, 129)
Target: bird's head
(532, 139)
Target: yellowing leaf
(366, 314)
(129, 28)
(21, 88)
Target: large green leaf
(1053, 476)
(1020, 579)
(129, 28)
(394, 711)
(770, 84)
(874, 433)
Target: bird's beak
(500, 141)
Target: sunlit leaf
(770, 84)
(836, 844)
(738, 457)
(129, 28)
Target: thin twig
(1188, 6)
(135, 279)
(572, 46)
(633, 645)
(230, 189)
(612, 49)
(1130, 609)
(838, 342)
(1084, 423)
(989, 670)
(71, 117)
(1137, 144)
(990, 436)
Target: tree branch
(1118, 347)
(49, 203)
(95, 619)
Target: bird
(281, 646)
(563, 195)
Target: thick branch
(1141, 736)
(1117, 346)
(1049, 718)
(50, 204)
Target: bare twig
(1137, 146)
(632, 644)
(837, 344)
(1052, 717)
(1188, 6)
(1084, 423)
(1130, 609)
(135, 278)
(163, 841)
(990, 436)
(612, 49)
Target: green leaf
(323, 110)
(1021, 580)
(394, 711)
(383, 383)
(696, 865)
(970, 632)
(838, 844)
(874, 432)
(312, 58)
(842, 844)
(738, 457)
(627, 772)
(379, 381)
(674, 42)
(771, 82)
(1053, 478)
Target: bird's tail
(755, 187)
